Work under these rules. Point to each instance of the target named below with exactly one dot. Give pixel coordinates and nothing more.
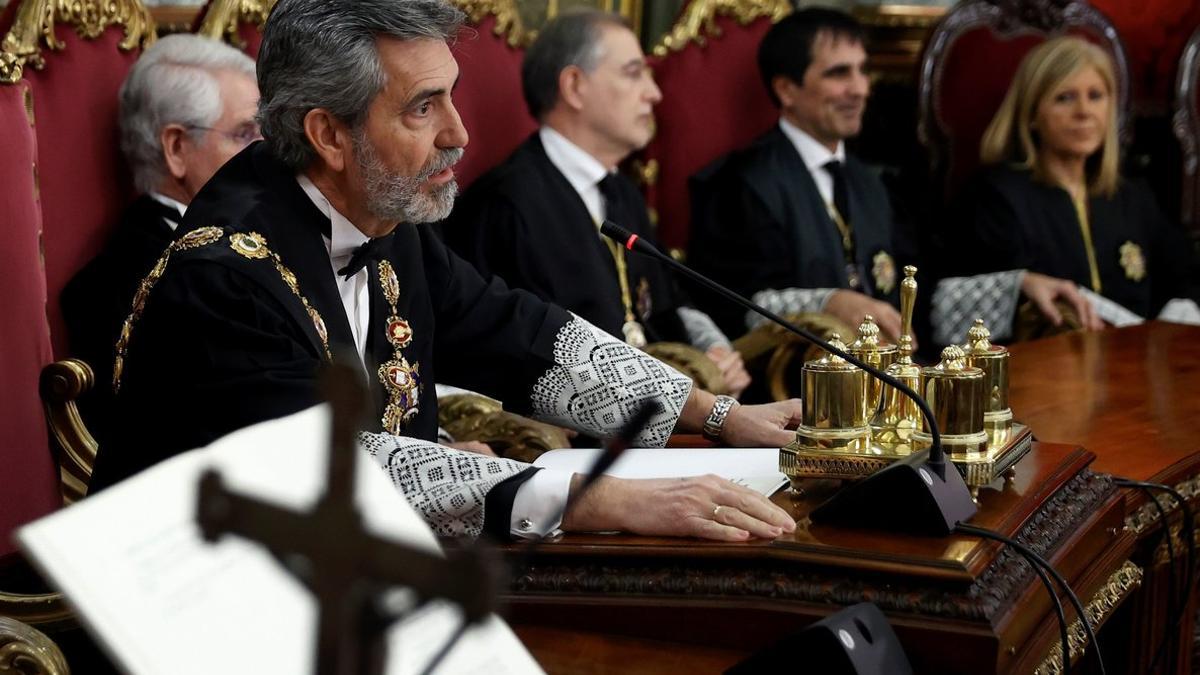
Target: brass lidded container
(898, 416)
(833, 439)
(954, 391)
(993, 361)
(871, 349)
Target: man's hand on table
(708, 507)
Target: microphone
(920, 481)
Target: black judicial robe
(524, 222)
(1008, 220)
(97, 299)
(223, 343)
(758, 222)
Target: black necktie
(841, 197)
(373, 249)
(613, 206)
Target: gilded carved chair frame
(1186, 124)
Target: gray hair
(571, 39)
(172, 83)
(322, 54)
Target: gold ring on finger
(716, 513)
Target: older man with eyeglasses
(186, 107)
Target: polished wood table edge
(632, 580)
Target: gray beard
(399, 198)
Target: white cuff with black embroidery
(788, 301)
(702, 331)
(599, 382)
(1181, 310)
(537, 509)
(958, 301)
(1109, 311)
(447, 487)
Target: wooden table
(596, 603)
(1132, 397)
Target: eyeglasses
(243, 135)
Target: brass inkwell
(853, 425)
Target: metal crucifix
(346, 567)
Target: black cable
(1173, 610)
(1066, 588)
(1190, 561)
(446, 647)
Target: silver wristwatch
(715, 422)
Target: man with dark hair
(533, 220)
(792, 219)
(311, 243)
(800, 225)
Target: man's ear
(175, 144)
(329, 138)
(785, 89)
(571, 83)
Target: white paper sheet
(161, 600)
(755, 468)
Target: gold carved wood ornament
(36, 20)
(699, 20)
(508, 19)
(223, 17)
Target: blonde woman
(1051, 199)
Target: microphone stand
(934, 499)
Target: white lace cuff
(702, 331)
(599, 382)
(447, 487)
(1181, 310)
(958, 301)
(788, 301)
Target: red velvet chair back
(713, 102)
(238, 22)
(1187, 129)
(970, 60)
(28, 476)
(82, 178)
(488, 96)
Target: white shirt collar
(170, 203)
(814, 154)
(344, 236)
(581, 170)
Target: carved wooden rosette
(699, 20)
(1008, 18)
(222, 18)
(24, 649)
(36, 20)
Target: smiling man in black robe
(294, 251)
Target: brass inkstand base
(803, 460)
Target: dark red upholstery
(28, 476)
(83, 181)
(966, 71)
(489, 99)
(713, 102)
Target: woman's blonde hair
(1010, 138)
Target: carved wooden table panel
(717, 601)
